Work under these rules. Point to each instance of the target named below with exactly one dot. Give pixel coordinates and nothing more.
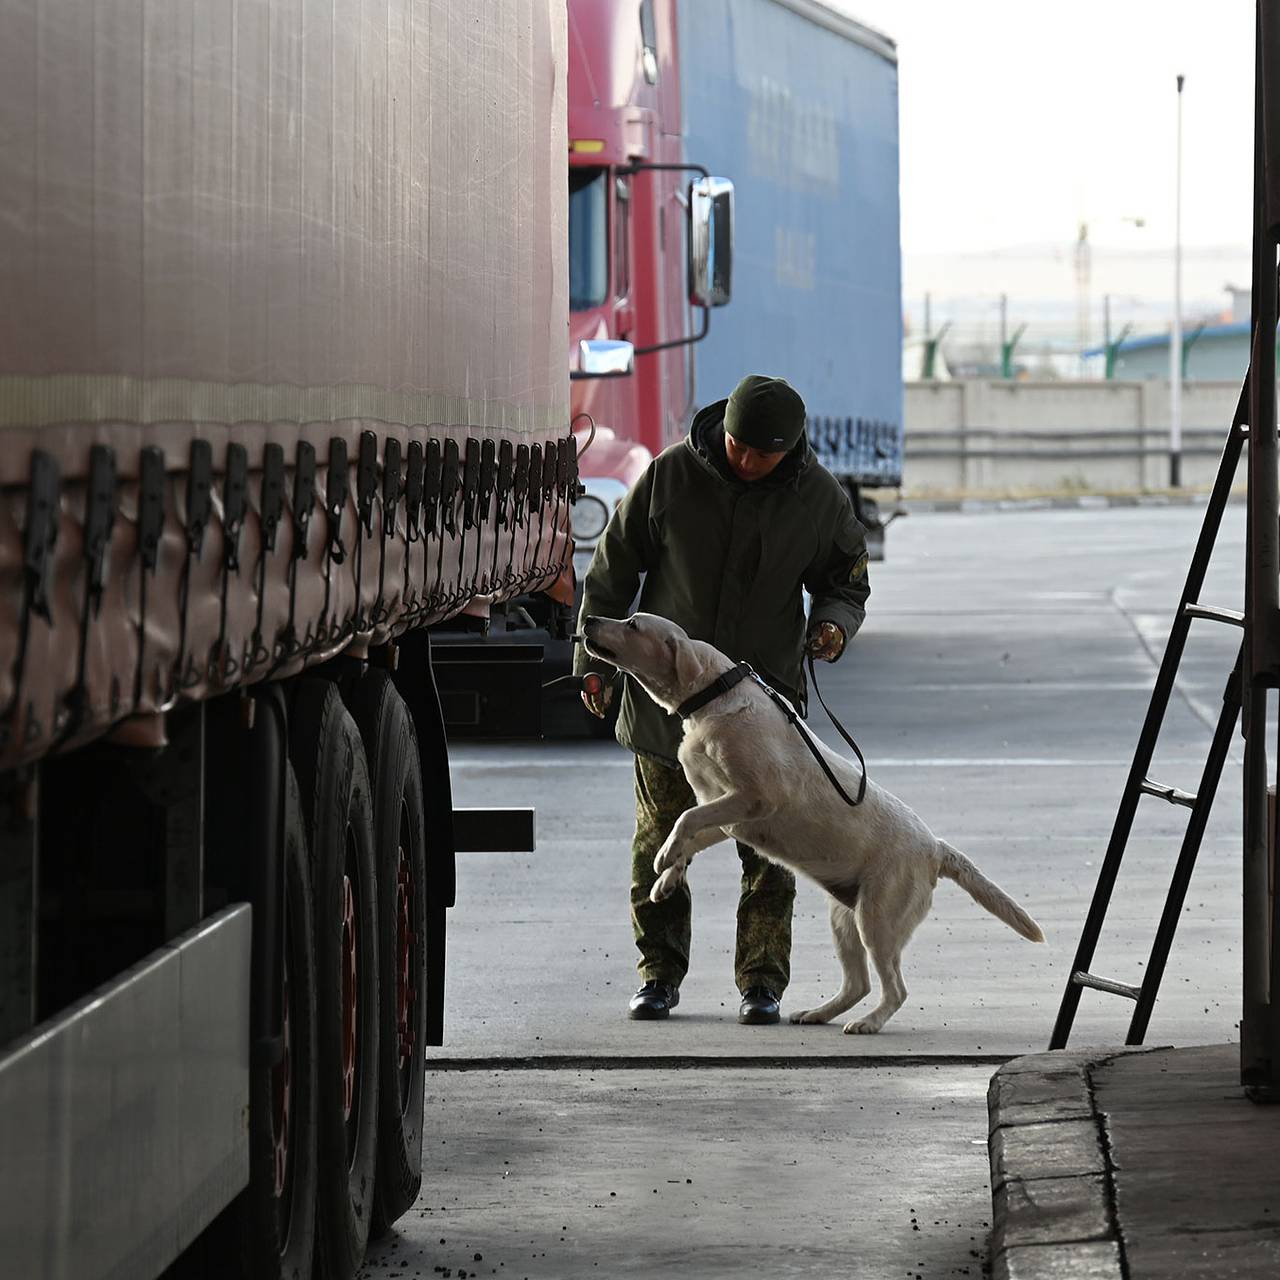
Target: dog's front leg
(697, 829)
(672, 867)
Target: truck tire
(399, 827)
(276, 1215)
(268, 1231)
(334, 780)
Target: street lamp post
(1175, 346)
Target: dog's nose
(588, 623)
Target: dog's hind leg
(853, 961)
(886, 928)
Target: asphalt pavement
(998, 687)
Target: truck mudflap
(127, 1114)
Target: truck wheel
(334, 780)
(278, 1211)
(268, 1230)
(399, 827)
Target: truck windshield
(588, 238)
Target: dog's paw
(862, 1027)
(668, 856)
(808, 1015)
(666, 884)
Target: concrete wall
(979, 436)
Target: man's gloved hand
(597, 694)
(825, 642)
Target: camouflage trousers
(762, 955)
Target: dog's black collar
(722, 684)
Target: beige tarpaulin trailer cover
(282, 347)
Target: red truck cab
(648, 249)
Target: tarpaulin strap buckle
(335, 502)
(433, 518)
(488, 473)
(99, 519)
(336, 497)
(151, 478)
(449, 487)
(40, 535)
(502, 487)
(535, 478)
(272, 512)
(470, 482)
(99, 523)
(366, 492)
(390, 485)
(367, 480)
(564, 467)
(520, 483)
(432, 482)
(272, 494)
(413, 492)
(235, 506)
(199, 513)
(506, 468)
(550, 469)
(199, 495)
(412, 520)
(304, 499)
(41, 532)
(151, 482)
(390, 501)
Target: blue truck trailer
(798, 104)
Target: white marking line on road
(560, 760)
(1020, 686)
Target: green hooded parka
(727, 559)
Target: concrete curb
(1053, 1206)
(1077, 502)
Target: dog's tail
(986, 893)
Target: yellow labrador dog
(756, 781)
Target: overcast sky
(1020, 118)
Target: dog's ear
(686, 663)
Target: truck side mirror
(604, 358)
(710, 242)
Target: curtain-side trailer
(282, 383)
(798, 103)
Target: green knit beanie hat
(765, 413)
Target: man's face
(748, 463)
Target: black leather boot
(760, 1007)
(654, 1000)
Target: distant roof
(1236, 329)
(823, 15)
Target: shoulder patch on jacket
(859, 567)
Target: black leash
(840, 729)
(744, 671)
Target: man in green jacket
(727, 529)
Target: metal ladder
(1139, 784)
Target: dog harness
(744, 671)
